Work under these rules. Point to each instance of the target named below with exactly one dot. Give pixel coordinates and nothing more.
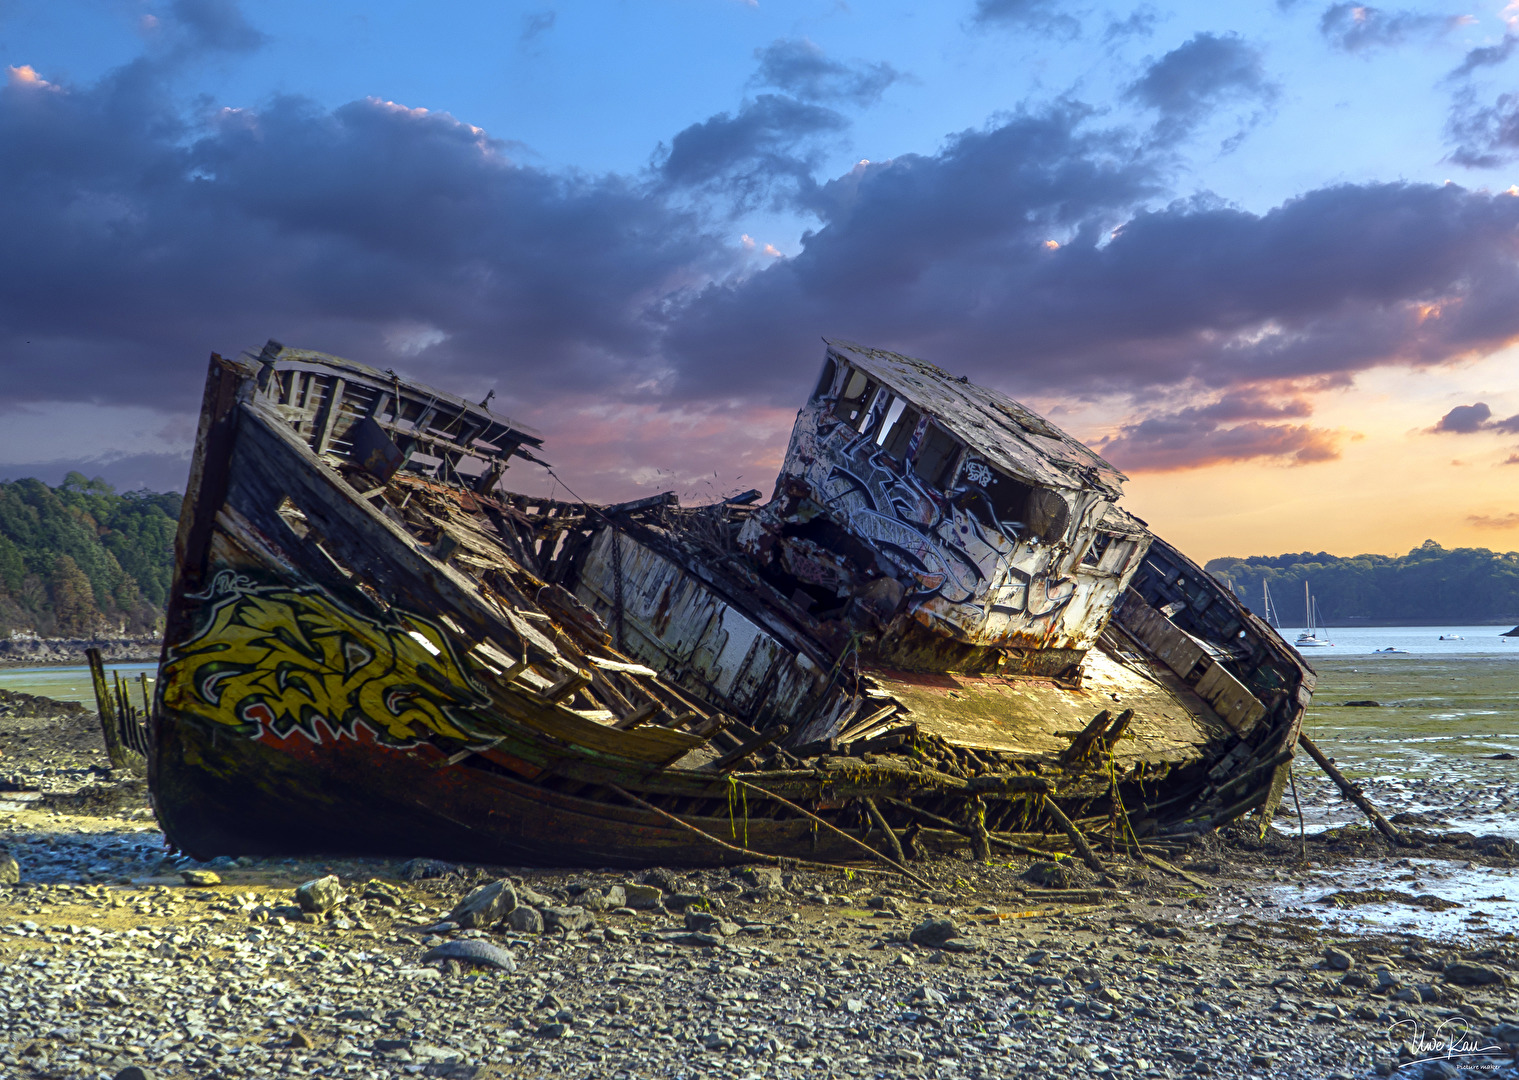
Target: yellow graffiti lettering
(288, 659)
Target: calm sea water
(70, 683)
(1415, 640)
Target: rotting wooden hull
(334, 677)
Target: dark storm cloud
(949, 257)
(1031, 255)
(803, 70)
(1467, 419)
(1189, 82)
(136, 243)
(1356, 27)
(745, 153)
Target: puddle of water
(72, 683)
(1473, 888)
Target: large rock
(1338, 959)
(484, 906)
(1466, 973)
(614, 896)
(933, 933)
(530, 896)
(762, 877)
(10, 869)
(643, 897)
(321, 895)
(1061, 874)
(567, 918)
(706, 922)
(662, 879)
(479, 953)
(525, 920)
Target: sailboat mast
(1307, 606)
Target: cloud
(1042, 15)
(1189, 82)
(1361, 28)
(945, 256)
(126, 472)
(537, 23)
(143, 236)
(1139, 23)
(216, 25)
(770, 138)
(1466, 419)
(1236, 427)
(800, 68)
(1486, 136)
(1485, 56)
(1498, 521)
(391, 234)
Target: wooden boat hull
(333, 677)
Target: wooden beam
(330, 411)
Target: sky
(1264, 257)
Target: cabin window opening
(1098, 548)
(893, 411)
(1005, 498)
(899, 436)
(825, 381)
(937, 455)
(859, 391)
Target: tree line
(1430, 584)
(80, 560)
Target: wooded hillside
(1430, 584)
(79, 559)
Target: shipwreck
(940, 627)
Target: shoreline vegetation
(81, 561)
(1430, 586)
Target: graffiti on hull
(283, 660)
(949, 551)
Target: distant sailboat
(1273, 620)
(1309, 639)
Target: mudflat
(1319, 957)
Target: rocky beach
(119, 959)
(28, 651)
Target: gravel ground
(115, 956)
